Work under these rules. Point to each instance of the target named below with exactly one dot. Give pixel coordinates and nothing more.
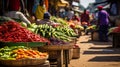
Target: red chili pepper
(14, 32)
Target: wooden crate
(116, 40)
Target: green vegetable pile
(59, 20)
(7, 53)
(61, 33)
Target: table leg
(66, 57)
(60, 59)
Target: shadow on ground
(102, 52)
(101, 47)
(105, 59)
(97, 42)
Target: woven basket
(76, 53)
(23, 62)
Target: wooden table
(59, 49)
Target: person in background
(40, 10)
(76, 20)
(15, 5)
(14, 11)
(69, 14)
(36, 3)
(85, 20)
(103, 24)
(45, 20)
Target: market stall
(61, 53)
(46, 38)
(115, 33)
(16, 43)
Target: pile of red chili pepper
(13, 32)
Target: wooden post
(60, 58)
(66, 57)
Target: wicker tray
(23, 62)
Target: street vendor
(85, 20)
(14, 12)
(103, 23)
(40, 10)
(46, 20)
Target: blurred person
(15, 5)
(103, 24)
(14, 11)
(85, 20)
(36, 3)
(69, 14)
(40, 10)
(76, 19)
(46, 20)
(85, 17)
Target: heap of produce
(66, 30)
(58, 34)
(13, 32)
(93, 27)
(32, 27)
(59, 20)
(20, 52)
(79, 27)
(114, 30)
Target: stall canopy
(62, 3)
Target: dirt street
(96, 54)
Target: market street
(96, 54)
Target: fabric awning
(62, 3)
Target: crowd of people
(42, 16)
(86, 19)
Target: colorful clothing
(36, 3)
(14, 5)
(40, 12)
(103, 17)
(103, 25)
(45, 21)
(85, 17)
(17, 15)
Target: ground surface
(96, 54)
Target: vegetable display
(114, 30)
(59, 20)
(20, 52)
(13, 32)
(79, 27)
(93, 27)
(60, 33)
